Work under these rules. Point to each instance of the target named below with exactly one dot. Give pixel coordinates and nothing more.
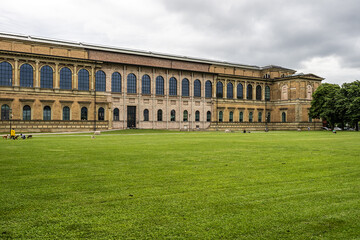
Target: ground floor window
(220, 116)
(260, 117)
(250, 116)
(101, 114)
(47, 113)
(66, 113)
(27, 113)
(146, 115)
(197, 116)
(159, 115)
(185, 116)
(241, 117)
(116, 114)
(231, 117)
(208, 116)
(84, 113)
(283, 117)
(5, 112)
(172, 115)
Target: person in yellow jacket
(12, 134)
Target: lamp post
(10, 117)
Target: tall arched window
(250, 116)
(5, 74)
(185, 87)
(26, 75)
(185, 116)
(101, 114)
(116, 82)
(159, 85)
(208, 116)
(26, 113)
(100, 81)
(197, 88)
(146, 84)
(231, 116)
(66, 113)
(172, 86)
(83, 80)
(241, 117)
(172, 116)
(268, 118)
(5, 112)
(65, 78)
(230, 91)
(283, 117)
(260, 117)
(46, 77)
(47, 113)
(267, 93)
(131, 83)
(240, 91)
(146, 115)
(258, 93)
(116, 114)
(197, 116)
(284, 92)
(249, 94)
(220, 116)
(208, 89)
(219, 89)
(84, 113)
(159, 115)
(309, 92)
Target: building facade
(50, 85)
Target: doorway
(131, 117)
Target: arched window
(284, 92)
(146, 115)
(66, 113)
(268, 117)
(250, 116)
(220, 116)
(146, 84)
(84, 113)
(249, 94)
(241, 117)
(101, 114)
(230, 93)
(309, 92)
(267, 93)
(159, 85)
(197, 116)
(240, 91)
(5, 112)
(26, 113)
(159, 115)
(131, 83)
(208, 89)
(310, 119)
(208, 116)
(219, 89)
(116, 114)
(46, 77)
(83, 80)
(26, 75)
(116, 82)
(100, 81)
(231, 116)
(172, 116)
(65, 78)
(47, 113)
(172, 86)
(185, 116)
(260, 117)
(258, 93)
(283, 117)
(5, 74)
(185, 87)
(197, 88)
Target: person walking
(12, 134)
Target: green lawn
(171, 185)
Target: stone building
(52, 85)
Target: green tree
(350, 103)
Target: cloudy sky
(311, 36)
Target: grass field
(161, 185)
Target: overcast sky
(310, 36)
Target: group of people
(13, 135)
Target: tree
(350, 102)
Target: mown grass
(276, 185)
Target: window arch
(101, 114)
(208, 89)
(197, 116)
(230, 91)
(185, 116)
(26, 113)
(240, 91)
(26, 75)
(5, 74)
(219, 89)
(267, 93)
(220, 116)
(309, 92)
(146, 84)
(231, 116)
(83, 80)
(208, 116)
(66, 113)
(47, 113)
(241, 117)
(100, 81)
(131, 83)
(146, 115)
(250, 116)
(46, 77)
(159, 115)
(5, 112)
(258, 93)
(116, 82)
(260, 117)
(249, 94)
(159, 85)
(84, 113)
(284, 92)
(283, 117)
(116, 114)
(197, 88)
(65, 78)
(185, 87)
(172, 86)
(172, 115)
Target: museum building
(49, 85)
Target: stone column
(74, 82)
(225, 90)
(37, 77)
(92, 79)
(234, 90)
(245, 90)
(57, 81)
(254, 92)
(214, 89)
(16, 73)
(263, 92)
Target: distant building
(53, 85)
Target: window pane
(229, 93)
(46, 77)
(131, 83)
(100, 81)
(5, 74)
(208, 89)
(159, 85)
(146, 83)
(65, 78)
(83, 80)
(240, 91)
(185, 87)
(172, 86)
(26, 75)
(116, 82)
(219, 89)
(197, 88)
